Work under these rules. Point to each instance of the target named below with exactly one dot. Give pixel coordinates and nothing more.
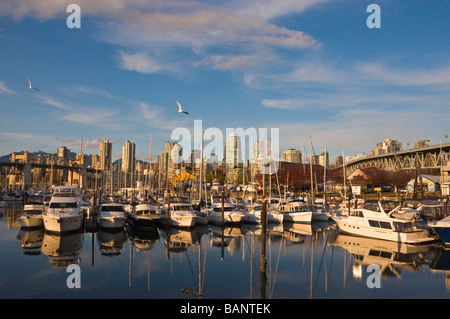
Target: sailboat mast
(311, 170)
(201, 167)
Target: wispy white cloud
(153, 116)
(4, 89)
(158, 33)
(380, 73)
(140, 62)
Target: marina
(210, 261)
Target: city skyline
(310, 68)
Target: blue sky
(311, 68)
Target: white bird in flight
(33, 87)
(180, 110)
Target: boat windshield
(145, 212)
(63, 205)
(65, 194)
(225, 209)
(181, 207)
(112, 208)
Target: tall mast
(311, 169)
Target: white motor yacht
(295, 211)
(385, 220)
(112, 216)
(231, 215)
(63, 213)
(181, 214)
(32, 216)
(144, 216)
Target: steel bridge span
(428, 157)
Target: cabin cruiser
(32, 213)
(112, 216)
(64, 214)
(385, 220)
(442, 228)
(144, 216)
(231, 215)
(295, 211)
(11, 195)
(181, 213)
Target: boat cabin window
(63, 205)
(225, 209)
(112, 208)
(380, 224)
(67, 194)
(357, 214)
(181, 207)
(145, 212)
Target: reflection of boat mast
(130, 264)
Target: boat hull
(144, 223)
(30, 221)
(179, 221)
(297, 217)
(320, 216)
(232, 218)
(443, 231)
(113, 222)
(61, 224)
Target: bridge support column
(27, 176)
(83, 174)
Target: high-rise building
(129, 157)
(233, 151)
(324, 159)
(63, 153)
(105, 155)
(292, 156)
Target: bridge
(25, 168)
(427, 157)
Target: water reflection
(111, 243)
(286, 261)
(31, 240)
(62, 249)
(391, 257)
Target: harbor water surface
(303, 261)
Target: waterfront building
(324, 159)
(387, 146)
(233, 151)
(129, 157)
(105, 155)
(292, 156)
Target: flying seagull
(180, 110)
(33, 87)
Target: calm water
(303, 261)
